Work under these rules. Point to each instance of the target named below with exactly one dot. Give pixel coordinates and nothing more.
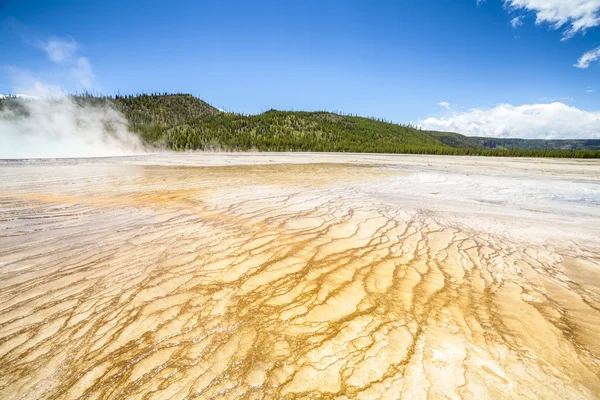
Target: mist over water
(57, 128)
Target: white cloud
(573, 15)
(444, 104)
(588, 58)
(529, 121)
(590, 90)
(59, 50)
(516, 22)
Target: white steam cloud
(57, 128)
(44, 121)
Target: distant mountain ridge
(478, 142)
(184, 122)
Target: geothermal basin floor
(274, 275)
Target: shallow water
(282, 276)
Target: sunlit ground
(324, 276)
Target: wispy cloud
(59, 50)
(516, 22)
(530, 121)
(574, 16)
(588, 58)
(570, 16)
(590, 90)
(444, 104)
(82, 71)
(64, 52)
(72, 71)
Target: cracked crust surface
(315, 276)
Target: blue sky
(497, 67)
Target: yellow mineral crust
(361, 277)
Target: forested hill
(184, 122)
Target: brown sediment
(280, 281)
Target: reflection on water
(322, 280)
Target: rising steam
(63, 127)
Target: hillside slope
(184, 122)
(298, 131)
(152, 115)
